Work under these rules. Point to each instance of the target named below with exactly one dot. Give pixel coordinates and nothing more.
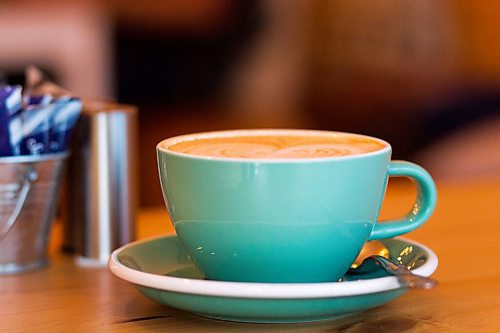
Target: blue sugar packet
(63, 121)
(38, 100)
(47, 128)
(11, 132)
(41, 121)
(36, 123)
(50, 115)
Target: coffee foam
(261, 144)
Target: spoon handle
(405, 276)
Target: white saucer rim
(263, 290)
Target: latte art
(277, 146)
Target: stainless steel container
(29, 195)
(101, 189)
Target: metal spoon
(376, 255)
(404, 275)
(370, 248)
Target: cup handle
(30, 176)
(421, 210)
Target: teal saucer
(161, 270)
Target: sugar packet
(40, 121)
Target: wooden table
(464, 232)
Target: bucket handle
(30, 176)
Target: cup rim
(163, 145)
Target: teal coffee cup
(282, 205)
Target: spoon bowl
(370, 248)
(405, 276)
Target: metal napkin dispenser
(100, 197)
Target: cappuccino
(275, 144)
(253, 205)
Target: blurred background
(423, 75)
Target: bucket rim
(33, 158)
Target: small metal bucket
(29, 193)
